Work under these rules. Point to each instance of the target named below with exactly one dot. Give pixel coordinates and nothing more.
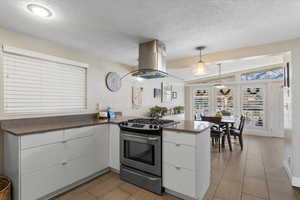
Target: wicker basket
(5, 188)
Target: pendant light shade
(219, 84)
(200, 68)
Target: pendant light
(219, 84)
(200, 68)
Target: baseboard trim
(114, 170)
(179, 195)
(294, 181)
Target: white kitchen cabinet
(41, 139)
(114, 147)
(179, 155)
(186, 163)
(102, 147)
(179, 179)
(42, 182)
(42, 164)
(41, 157)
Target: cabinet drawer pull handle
(64, 163)
(177, 145)
(64, 142)
(178, 168)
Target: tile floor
(254, 174)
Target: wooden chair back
(242, 124)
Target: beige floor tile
(250, 197)
(255, 187)
(229, 190)
(104, 187)
(116, 194)
(129, 188)
(143, 195)
(83, 196)
(281, 190)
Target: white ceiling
(112, 29)
(229, 66)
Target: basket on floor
(5, 188)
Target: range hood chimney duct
(152, 60)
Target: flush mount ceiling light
(200, 68)
(39, 10)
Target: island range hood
(152, 60)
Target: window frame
(40, 56)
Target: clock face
(113, 81)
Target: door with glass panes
(201, 102)
(253, 105)
(224, 100)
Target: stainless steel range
(141, 152)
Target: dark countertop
(18, 127)
(189, 126)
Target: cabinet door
(179, 180)
(39, 158)
(114, 146)
(79, 147)
(80, 168)
(43, 182)
(102, 146)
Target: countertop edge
(4, 130)
(186, 130)
(8, 130)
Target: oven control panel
(140, 126)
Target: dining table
(227, 121)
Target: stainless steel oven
(141, 151)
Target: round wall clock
(113, 81)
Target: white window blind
(34, 83)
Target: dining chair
(216, 131)
(238, 132)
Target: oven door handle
(140, 137)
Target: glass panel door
(224, 101)
(253, 100)
(200, 103)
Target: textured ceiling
(112, 29)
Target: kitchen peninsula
(68, 151)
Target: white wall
(98, 68)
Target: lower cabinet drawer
(179, 155)
(79, 132)
(179, 137)
(41, 183)
(179, 180)
(35, 140)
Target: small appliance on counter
(102, 114)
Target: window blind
(37, 84)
